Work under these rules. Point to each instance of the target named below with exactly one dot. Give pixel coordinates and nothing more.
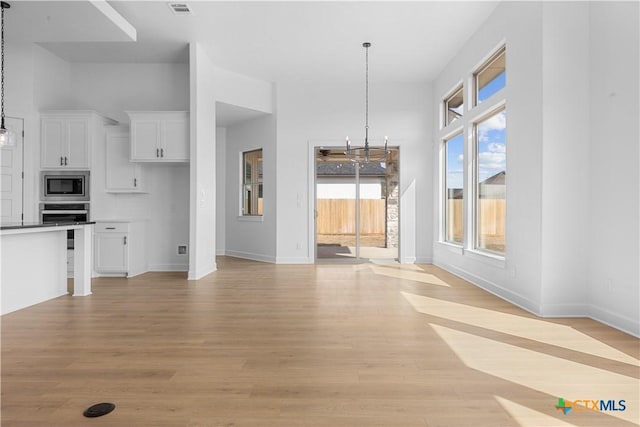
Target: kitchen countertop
(26, 224)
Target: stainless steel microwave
(64, 186)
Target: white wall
(35, 80)
(572, 166)
(324, 112)
(613, 234)
(518, 277)
(202, 171)
(112, 89)
(565, 157)
(246, 237)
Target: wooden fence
(491, 216)
(337, 216)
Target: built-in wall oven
(56, 186)
(64, 197)
(57, 213)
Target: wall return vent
(180, 8)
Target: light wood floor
(328, 345)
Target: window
(474, 160)
(491, 77)
(454, 106)
(491, 181)
(454, 178)
(252, 183)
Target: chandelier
(366, 153)
(6, 136)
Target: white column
(82, 261)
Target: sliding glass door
(356, 207)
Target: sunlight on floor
(405, 273)
(548, 374)
(529, 417)
(533, 329)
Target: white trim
(486, 257)
(169, 267)
(221, 252)
(424, 260)
(491, 287)
(294, 260)
(202, 273)
(250, 256)
(609, 318)
(250, 218)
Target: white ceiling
(412, 41)
(314, 40)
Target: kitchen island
(34, 262)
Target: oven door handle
(64, 212)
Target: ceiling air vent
(180, 8)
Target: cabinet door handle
(157, 152)
(109, 228)
(135, 182)
(65, 161)
(61, 161)
(125, 240)
(162, 152)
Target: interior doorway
(11, 174)
(356, 207)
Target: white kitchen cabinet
(122, 175)
(119, 248)
(67, 136)
(159, 136)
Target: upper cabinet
(122, 175)
(159, 136)
(66, 138)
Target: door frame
(312, 145)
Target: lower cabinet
(119, 248)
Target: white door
(11, 168)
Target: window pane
(454, 106)
(454, 202)
(252, 183)
(491, 149)
(491, 77)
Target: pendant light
(366, 153)
(7, 137)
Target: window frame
(473, 114)
(475, 179)
(243, 183)
(458, 131)
(493, 57)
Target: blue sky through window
(492, 87)
(492, 146)
(455, 161)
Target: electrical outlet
(182, 249)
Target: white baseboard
(563, 310)
(251, 256)
(424, 260)
(169, 267)
(622, 323)
(221, 252)
(493, 288)
(408, 260)
(293, 260)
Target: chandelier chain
(2, 62)
(366, 96)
